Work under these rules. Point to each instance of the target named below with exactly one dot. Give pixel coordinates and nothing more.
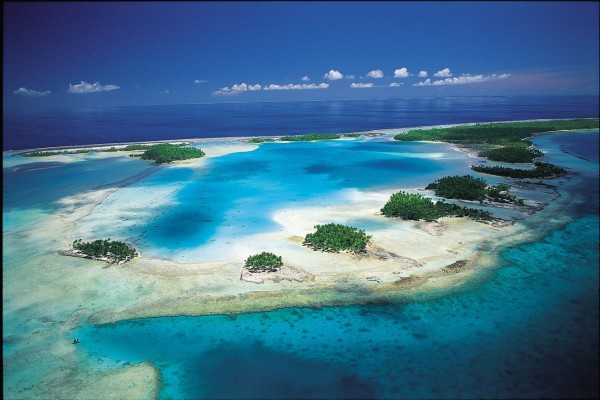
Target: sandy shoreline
(407, 259)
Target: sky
(82, 54)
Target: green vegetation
(133, 147)
(511, 135)
(417, 206)
(260, 140)
(167, 153)
(113, 251)
(54, 153)
(512, 154)
(336, 237)
(309, 137)
(499, 193)
(263, 262)
(469, 188)
(41, 153)
(130, 147)
(541, 170)
(459, 187)
(499, 133)
(305, 138)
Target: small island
(261, 140)
(541, 170)
(113, 252)
(263, 262)
(469, 188)
(512, 154)
(418, 207)
(167, 153)
(337, 238)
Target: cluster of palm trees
(264, 262)
(166, 153)
(337, 237)
(416, 206)
(114, 251)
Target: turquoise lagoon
(526, 327)
(197, 211)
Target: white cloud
(333, 75)
(395, 84)
(296, 87)
(361, 85)
(444, 73)
(30, 93)
(401, 73)
(422, 74)
(350, 77)
(376, 73)
(238, 88)
(305, 79)
(462, 80)
(243, 87)
(198, 81)
(85, 87)
(165, 92)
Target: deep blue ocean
(68, 127)
(526, 327)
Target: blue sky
(105, 54)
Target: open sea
(80, 126)
(526, 327)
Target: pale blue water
(526, 328)
(240, 191)
(22, 182)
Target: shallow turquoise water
(236, 195)
(526, 328)
(40, 184)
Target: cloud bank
(238, 88)
(85, 87)
(243, 87)
(30, 93)
(462, 80)
(296, 87)
(422, 74)
(361, 85)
